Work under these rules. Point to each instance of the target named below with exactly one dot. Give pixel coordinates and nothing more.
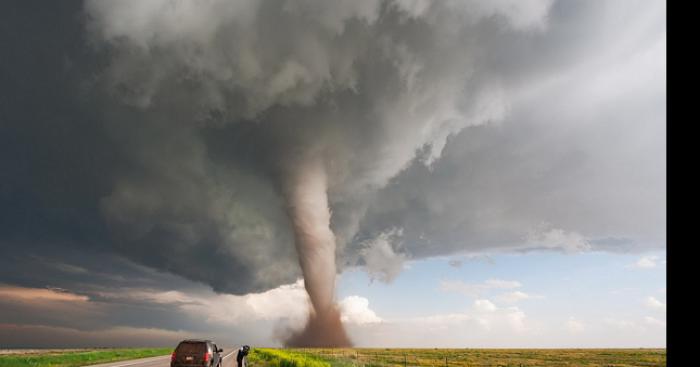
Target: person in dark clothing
(241, 356)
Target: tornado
(307, 206)
(238, 149)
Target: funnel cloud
(306, 193)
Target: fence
(486, 357)
(356, 358)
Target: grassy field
(71, 358)
(284, 358)
(261, 357)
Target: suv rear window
(192, 347)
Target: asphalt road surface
(228, 360)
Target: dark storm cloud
(215, 125)
(159, 134)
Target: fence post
(404, 360)
(445, 361)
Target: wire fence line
(378, 359)
(485, 358)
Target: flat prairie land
(73, 357)
(389, 357)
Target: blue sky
(603, 299)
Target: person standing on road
(241, 356)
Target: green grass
(284, 358)
(78, 358)
(386, 357)
(363, 357)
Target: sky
(493, 174)
(587, 300)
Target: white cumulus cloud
(655, 304)
(646, 262)
(484, 305)
(355, 309)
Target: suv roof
(196, 341)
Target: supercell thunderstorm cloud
(246, 144)
(323, 102)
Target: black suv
(195, 352)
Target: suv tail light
(206, 357)
(172, 357)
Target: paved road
(228, 360)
